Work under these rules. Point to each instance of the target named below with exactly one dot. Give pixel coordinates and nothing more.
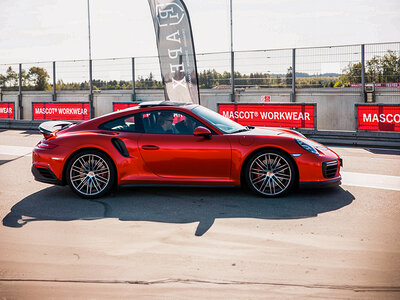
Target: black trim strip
(320, 184)
(46, 176)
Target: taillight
(45, 145)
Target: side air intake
(120, 146)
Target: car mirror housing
(202, 131)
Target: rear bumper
(45, 175)
(320, 184)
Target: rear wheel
(90, 174)
(270, 173)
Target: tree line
(378, 69)
(35, 79)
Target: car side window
(124, 124)
(169, 122)
(186, 124)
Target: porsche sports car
(176, 143)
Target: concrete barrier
(335, 107)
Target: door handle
(150, 147)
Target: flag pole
(232, 58)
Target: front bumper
(321, 168)
(320, 184)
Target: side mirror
(202, 131)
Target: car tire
(270, 173)
(90, 174)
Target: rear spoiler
(49, 128)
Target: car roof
(146, 106)
(149, 104)
(162, 103)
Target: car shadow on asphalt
(174, 205)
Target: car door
(127, 131)
(177, 154)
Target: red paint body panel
(187, 156)
(179, 159)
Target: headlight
(307, 146)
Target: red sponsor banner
(6, 110)
(61, 110)
(123, 105)
(271, 115)
(378, 117)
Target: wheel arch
(77, 151)
(250, 155)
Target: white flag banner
(175, 50)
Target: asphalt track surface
(195, 243)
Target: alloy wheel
(270, 174)
(89, 175)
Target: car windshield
(222, 123)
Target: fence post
(54, 82)
(133, 80)
(363, 72)
(92, 114)
(20, 108)
(232, 76)
(293, 93)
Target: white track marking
(375, 181)
(15, 150)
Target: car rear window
(123, 124)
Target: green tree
(390, 65)
(2, 80)
(24, 78)
(39, 78)
(352, 73)
(374, 70)
(377, 69)
(11, 77)
(338, 83)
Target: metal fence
(383, 64)
(326, 66)
(332, 67)
(263, 69)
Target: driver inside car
(186, 126)
(165, 123)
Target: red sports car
(176, 143)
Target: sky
(54, 30)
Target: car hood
(277, 132)
(272, 131)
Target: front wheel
(270, 173)
(90, 174)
